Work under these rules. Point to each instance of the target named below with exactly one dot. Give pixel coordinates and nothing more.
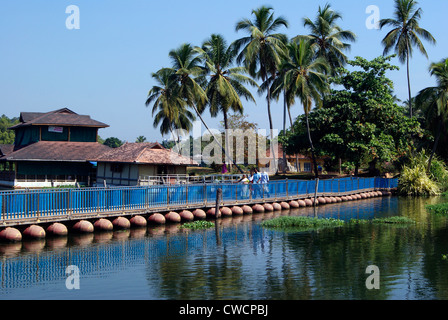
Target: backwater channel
(241, 260)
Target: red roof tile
(58, 151)
(61, 117)
(144, 153)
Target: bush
(416, 180)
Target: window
(307, 167)
(116, 167)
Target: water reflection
(240, 260)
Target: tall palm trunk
(271, 127)
(316, 172)
(226, 142)
(409, 82)
(284, 130)
(208, 129)
(292, 129)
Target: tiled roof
(144, 153)
(58, 151)
(6, 149)
(61, 117)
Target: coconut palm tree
(170, 109)
(328, 38)
(305, 77)
(260, 51)
(436, 100)
(189, 75)
(225, 84)
(405, 35)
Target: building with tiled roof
(131, 162)
(50, 149)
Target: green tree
(304, 78)
(405, 35)
(7, 136)
(169, 107)
(140, 139)
(434, 102)
(261, 50)
(328, 37)
(225, 83)
(113, 142)
(361, 121)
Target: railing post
(186, 193)
(286, 187)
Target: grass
(441, 208)
(301, 222)
(198, 224)
(388, 220)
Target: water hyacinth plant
(199, 224)
(301, 222)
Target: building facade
(51, 149)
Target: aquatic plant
(301, 221)
(388, 220)
(414, 181)
(441, 208)
(199, 224)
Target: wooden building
(51, 149)
(133, 163)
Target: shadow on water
(238, 259)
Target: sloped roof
(145, 153)
(6, 149)
(60, 117)
(58, 151)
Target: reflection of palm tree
(435, 101)
(226, 84)
(405, 35)
(261, 50)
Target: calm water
(241, 260)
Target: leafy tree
(360, 121)
(261, 50)
(7, 136)
(405, 35)
(433, 101)
(113, 142)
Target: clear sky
(103, 68)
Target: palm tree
(226, 83)
(140, 139)
(328, 38)
(260, 51)
(405, 35)
(436, 100)
(169, 108)
(189, 74)
(305, 78)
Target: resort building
(294, 163)
(51, 149)
(135, 164)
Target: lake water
(241, 260)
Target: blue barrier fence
(29, 204)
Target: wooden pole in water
(218, 198)
(315, 191)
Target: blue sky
(103, 68)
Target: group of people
(256, 183)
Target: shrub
(415, 181)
